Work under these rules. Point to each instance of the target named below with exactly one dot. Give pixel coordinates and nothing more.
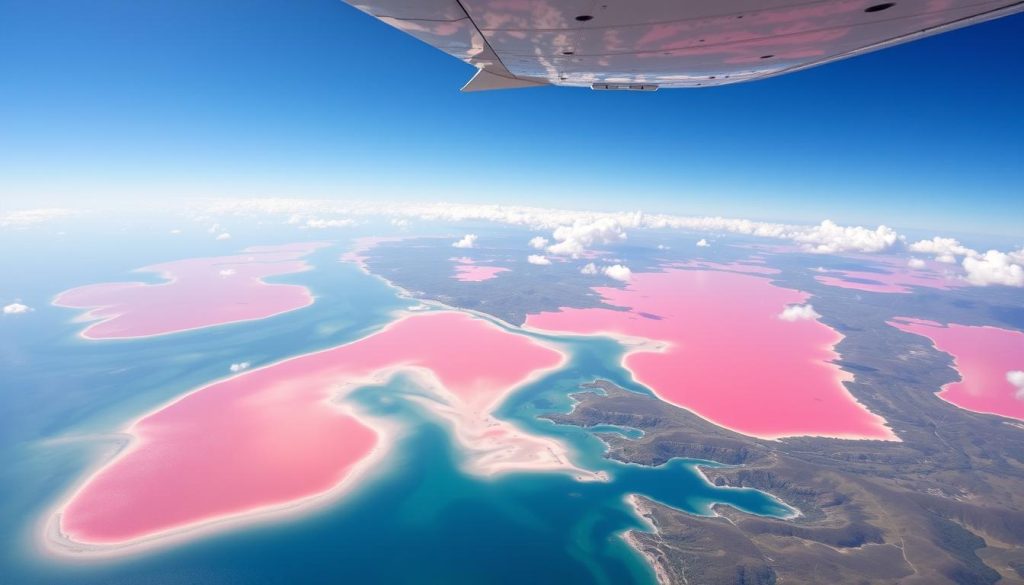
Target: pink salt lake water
(199, 292)
(897, 278)
(273, 436)
(726, 355)
(983, 356)
(467, 270)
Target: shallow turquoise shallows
(418, 519)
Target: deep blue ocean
(418, 519)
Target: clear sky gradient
(102, 100)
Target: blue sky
(106, 100)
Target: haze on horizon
(114, 102)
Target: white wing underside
(646, 44)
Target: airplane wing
(647, 44)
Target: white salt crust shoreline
(637, 345)
(90, 316)
(553, 456)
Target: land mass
(943, 506)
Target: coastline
(56, 543)
(481, 433)
(639, 345)
(91, 314)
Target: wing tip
(485, 80)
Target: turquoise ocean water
(417, 519)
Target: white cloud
(320, 224)
(213, 228)
(663, 247)
(943, 249)
(618, 272)
(798, 313)
(26, 217)
(830, 238)
(400, 223)
(573, 240)
(574, 227)
(993, 267)
(224, 236)
(538, 260)
(239, 367)
(538, 242)
(824, 238)
(1016, 377)
(574, 232)
(916, 263)
(467, 241)
(175, 232)
(589, 269)
(702, 243)
(227, 272)
(16, 308)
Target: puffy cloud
(538, 243)
(944, 249)
(702, 243)
(239, 367)
(993, 267)
(573, 240)
(718, 225)
(320, 224)
(830, 238)
(916, 263)
(467, 241)
(619, 272)
(572, 227)
(824, 238)
(589, 269)
(224, 236)
(538, 260)
(400, 222)
(27, 217)
(16, 308)
(663, 247)
(1016, 377)
(798, 313)
(575, 231)
(227, 272)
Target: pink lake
(467, 270)
(283, 434)
(712, 342)
(898, 279)
(983, 356)
(199, 292)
